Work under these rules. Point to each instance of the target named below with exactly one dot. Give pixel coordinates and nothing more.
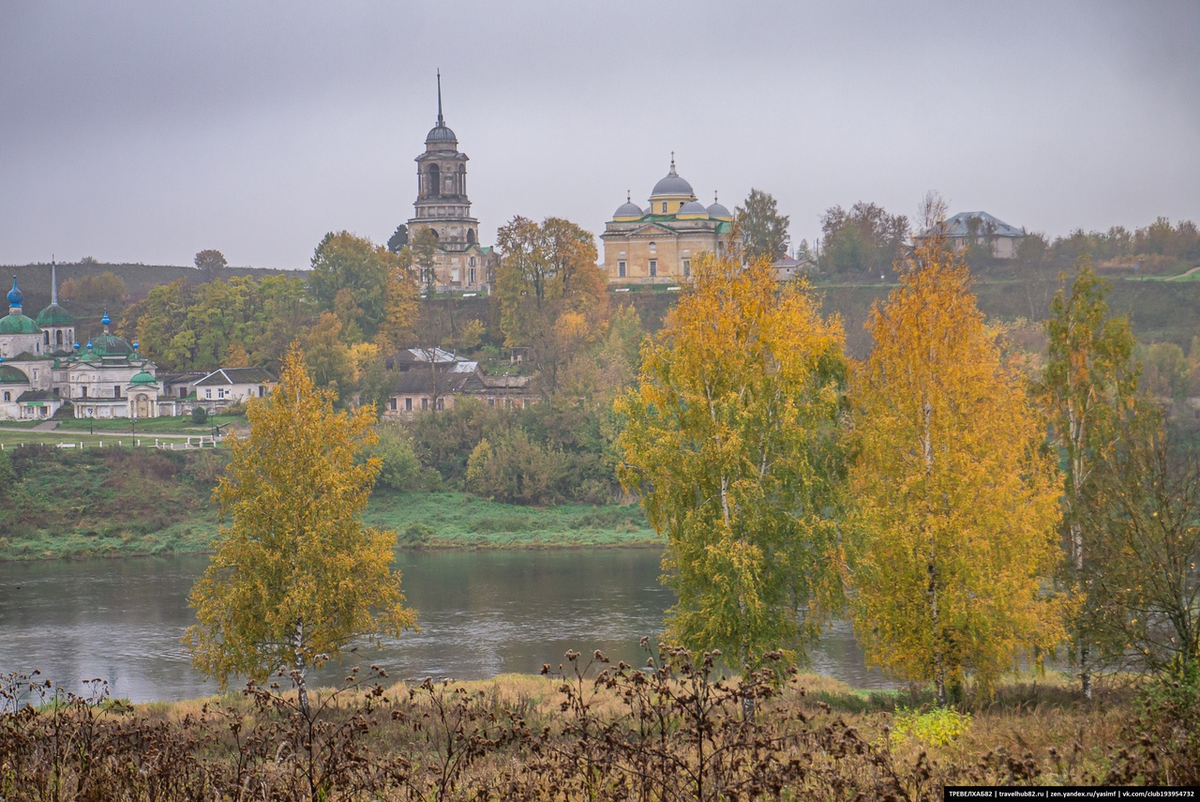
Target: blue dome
(672, 184)
(15, 296)
(718, 210)
(628, 209)
(106, 319)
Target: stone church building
(460, 263)
(656, 245)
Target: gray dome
(692, 207)
(628, 209)
(672, 184)
(441, 133)
(717, 210)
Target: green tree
(399, 239)
(211, 264)
(731, 440)
(296, 575)
(424, 247)
(955, 504)
(350, 277)
(1142, 576)
(1088, 382)
(864, 239)
(764, 230)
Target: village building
(460, 263)
(432, 379)
(227, 386)
(656, 245)
(967, 229)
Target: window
(220, 392)
(653, 267)
(472, 273)
(621, 269)
(208, 393)
(408, 404)
(83, 392)
(35, 374)
(392, 404)
(7, 396)
(492, 403)
(687, 267)
(664, 207)
(471, 261)
(653, 247)
(424, 403)
(116, 391)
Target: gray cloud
(147, 131)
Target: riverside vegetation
(674, 730)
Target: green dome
(18, 324)
(110, 345)
(142, 377)
(11, 375)
(54, 315)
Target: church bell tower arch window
(435, 181)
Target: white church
(42, 366)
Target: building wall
(671, 251)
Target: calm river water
(481, 613)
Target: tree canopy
(731, 440)
(354, 278)
(211, 263)
(764, 230)
(296, 574)
(864, 239)
(955, 501)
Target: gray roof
(628, 209)
(692, 207)
(718, 210)
(235, 376)
(958, 226)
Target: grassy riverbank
(669, 733)
(109, 502)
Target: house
(967, 229)
(227, 386)
(432, 379)
(786, 268)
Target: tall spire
(672, 164)
(53, 283)
(439, 79)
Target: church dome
(55, 315)
(441, 134)
(692, 209)
(628, 209)
(11, 375)
(15, 296)
(717, 210)
(18, 324)
(110, 345)
(142, 378)
(672, 184)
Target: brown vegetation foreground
(673, 731)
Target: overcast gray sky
(148, 130)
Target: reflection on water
(481, 614)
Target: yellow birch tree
(731, 439)
(296, 575)
(955, 502)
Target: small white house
(227, 386)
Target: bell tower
(442, 204)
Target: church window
(471, 261)
(472, 273)
(653, 247)
(435, 181)
(83, 392)
(653, 267)
(46, 334)
(621, 269)
(687, 267)
(664, 207)
(35, 374)
(58, 339)
(7, 396)
(116, 391)
(471, 240)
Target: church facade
(42, 366)
(459, 262)
(656, 245)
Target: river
(482, 613)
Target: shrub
(936, 727)
(400, 468)
(199, 416)
(515, 470)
